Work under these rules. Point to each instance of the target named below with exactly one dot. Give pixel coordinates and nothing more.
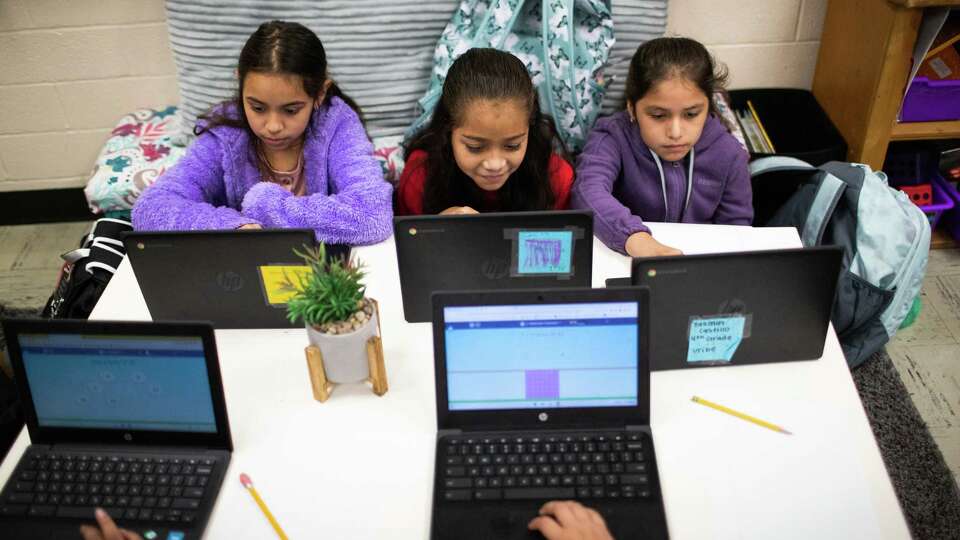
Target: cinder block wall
(69, 69)
(765, 43)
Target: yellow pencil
(740, 415)
(247, 483)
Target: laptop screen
(123, 382)
(541, 355)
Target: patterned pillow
(138, 151)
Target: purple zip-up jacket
(217, 185)
(624, 183)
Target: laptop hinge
(534, 430)
(448, 432)
(139, 449)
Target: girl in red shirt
(488, 148)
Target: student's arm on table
(359, 208)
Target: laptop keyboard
(575, 466)
(129, 487)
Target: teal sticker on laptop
(714, 340)
(544, 252)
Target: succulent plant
(331, 292)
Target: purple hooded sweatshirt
(625, 183)
(217, 185)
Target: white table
(361, 466)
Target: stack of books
(758, 142)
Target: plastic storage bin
(951, 217)
(942, 202)
(927, 101)
(913, 165)
(797, 125)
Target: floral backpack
(564, 44)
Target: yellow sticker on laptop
(276, 281)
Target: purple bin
(940, 204)
(928, 101)
(951, 217)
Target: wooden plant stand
(323, 387)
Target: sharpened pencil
(248, 483)
(740, 415)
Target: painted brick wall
(764, 43)
(69, 69)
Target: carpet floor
(924, 485)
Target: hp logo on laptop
(495, 268)
(543, 417)
(230, 281)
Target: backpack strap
(577, 36)
(824, 203)
(778, 163)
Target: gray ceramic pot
(345, 355)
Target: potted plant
(341, 322)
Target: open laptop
(543, 395)
(232, 278)
(516, 250)
(739, 308)
(125, 416)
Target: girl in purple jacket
(667, 157)
(289, 151)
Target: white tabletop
(361, 466)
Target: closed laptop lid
(554, 358)
(231, 278)
(517, 250)
(119, 383)
(739, 308)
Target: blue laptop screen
(541, 356)
(152, 383)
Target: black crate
(796, 124)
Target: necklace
(286, 179)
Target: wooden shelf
(918, 131)
(941, 239)
(925, 3)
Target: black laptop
(231, 278)
(543, 395)
(740, 308)
(516, 250)
(125, 416)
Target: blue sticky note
(714, 339)
(544, 252)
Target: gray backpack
(885, 238)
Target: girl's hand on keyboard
(106, 529)
(569, 520)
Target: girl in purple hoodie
(289, 151)
(667, 157)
